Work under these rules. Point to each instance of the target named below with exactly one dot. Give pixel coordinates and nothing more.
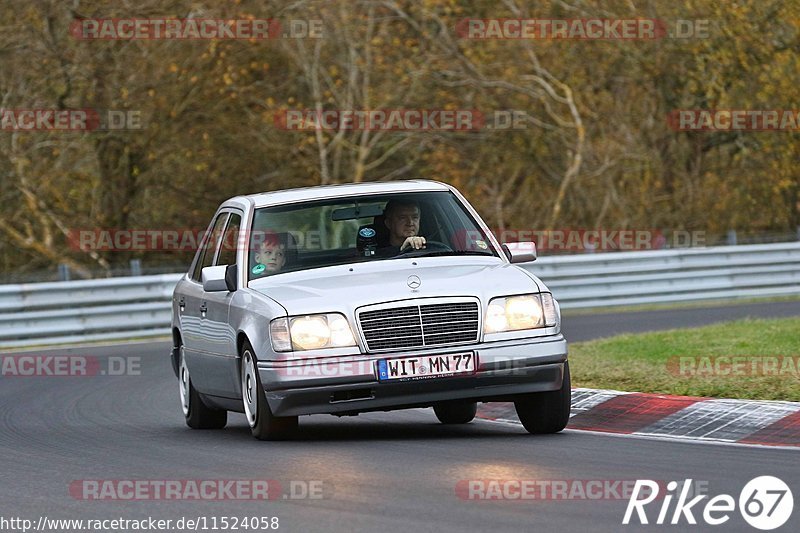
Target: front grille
(417, 326)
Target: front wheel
(198, 415)
(263, 424)
(455, 411)
(546, 412)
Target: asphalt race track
(381, 472)
(595, 325)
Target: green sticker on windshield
(482, 244)
(258, 269)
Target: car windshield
(364, 228)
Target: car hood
(345, 288)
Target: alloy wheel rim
(183, 384)
(249, 383)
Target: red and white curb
(753, 422)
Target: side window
(209, 250)
(230, 241)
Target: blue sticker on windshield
(367, 233)
(258, 269)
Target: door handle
(203, 310)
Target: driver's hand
(413, 242)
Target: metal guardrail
(668, 276)
(64, 312)
(139, 307)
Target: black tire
(263, 424)
(546, 412)
(455, 411)
(197, 414)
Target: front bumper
(349, 384)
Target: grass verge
(753, 359)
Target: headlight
(514, 313)
(341, 334)
(524, 312)
(311, 332)
(496, 316)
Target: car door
(195, 336)
(219, 352)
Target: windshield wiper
(455, 253)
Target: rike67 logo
(765, 503)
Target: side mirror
(219, 278)
(520, 252)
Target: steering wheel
(435, 246)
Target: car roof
(321, 192)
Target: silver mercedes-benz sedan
(363, 297)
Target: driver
(402, 220)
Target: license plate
(426, 366)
